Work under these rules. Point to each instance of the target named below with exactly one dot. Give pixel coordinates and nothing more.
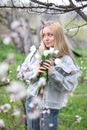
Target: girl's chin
(48, 47)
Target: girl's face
(48, 37)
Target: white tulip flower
(46, 52)
(51, 50)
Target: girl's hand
(41, 69)
(48, 64)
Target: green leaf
(43, 58)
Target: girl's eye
(50, 34)
(47, 35)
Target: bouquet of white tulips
(47, 55)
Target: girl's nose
(46, 37)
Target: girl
(61, 79)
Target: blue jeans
(46, 121)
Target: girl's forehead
(47, 28)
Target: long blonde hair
(61, 43)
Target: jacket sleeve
(65, 79)
(27, 70)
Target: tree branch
(41, 7)
(4, 84)
(82, 14)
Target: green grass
(77, 104)
(9, 120)
(83, 52)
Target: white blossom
(2, 125)
(78, 119)
(15, 24)
(11, 100)
(36, 106)
(7, 40)
(10, 71)
(3, 69)
(4, 108)
(14, 35)
(17, 91)
(5, 79)
(7, 106)
(33, 48)
(36, 101)
(16, 112)
(34, 115)
(11, 56)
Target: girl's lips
(47, 43)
